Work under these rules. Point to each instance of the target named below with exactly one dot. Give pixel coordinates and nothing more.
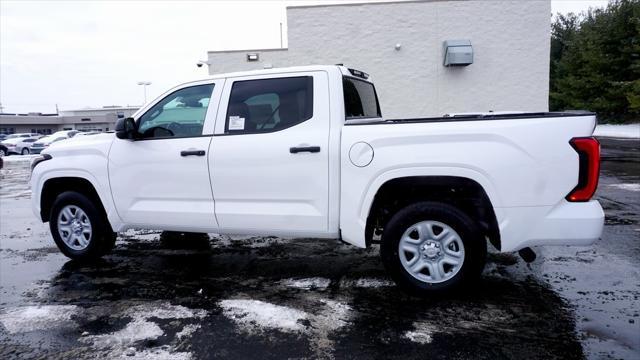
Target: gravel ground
(164, 295)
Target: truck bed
(526, 167)
(474, 117)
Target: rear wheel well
(56, 186)
(463, 193)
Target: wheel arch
(52, 187)
(464, 192)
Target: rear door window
(267, 105)
(360, 99)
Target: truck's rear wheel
(432, 247)
(79, 228)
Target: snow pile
(630, 131)
(253, 315)
(316, 283)
(44, 317)
(629, 187)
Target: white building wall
(510, 42)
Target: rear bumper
(567, 223)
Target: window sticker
(236, 123)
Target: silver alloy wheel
(431, 251)
(74, 227)
(2, 153)
(25, 151)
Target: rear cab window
(360, 99)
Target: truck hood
(83, 145)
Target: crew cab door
(269, 158)
(161, 180)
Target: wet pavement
(163, 295)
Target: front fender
(53, 168)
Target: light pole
(144, 85)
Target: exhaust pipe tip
(527, 255)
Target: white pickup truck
(305, 152)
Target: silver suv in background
(44, 142)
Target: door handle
(192, 153)
(299, 149)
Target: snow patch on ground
(630, 131)
(316, 283)
(187, 331)
(136, 330)
(254, 315)
(250, 241)
(162, 353)
(422, 333)
(43, 317)
(142, 327)
(630, 187)
(366, 283)
(141, 235)
(333, 316)
(14, 177)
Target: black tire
(475, 247)
(25, 151)
(3, 152)
(102, 238)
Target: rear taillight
(588, 149)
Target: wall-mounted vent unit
(457, 53)
(253, 57)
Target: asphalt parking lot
(162, 295)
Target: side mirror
(126, 129)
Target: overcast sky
(89, 54)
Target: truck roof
(281, 70)
(278, 70)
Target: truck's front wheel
(432, 247)
(79, 228)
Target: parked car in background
(46, 141)
(23, 147)
(3, 136)
(87, 133)
(19, 143)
